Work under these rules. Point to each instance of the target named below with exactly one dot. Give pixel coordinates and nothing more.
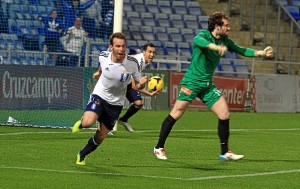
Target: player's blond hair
(118, 35)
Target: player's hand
(222, 49)
(70, 31)
(154, 93)
(96, 75)
(268, 52)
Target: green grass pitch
(45, 158)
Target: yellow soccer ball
(155, 83)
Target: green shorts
(205, 91)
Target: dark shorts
(132, 95)
(107, 114)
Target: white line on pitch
(158, 177)
(247, 175)
(151, 131)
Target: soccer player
(107, 99)
(134, 96)
(209, 45)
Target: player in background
(116, 69)
(208, 47)
(53, 28)
(74, 39)
(133, 95)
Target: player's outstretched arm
(152, 93)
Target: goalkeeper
(209, 45)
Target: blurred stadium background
(34, 84)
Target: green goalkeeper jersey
(204, 60)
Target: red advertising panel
(233, 89)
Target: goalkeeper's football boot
(126, 125)
(76, 126)
(79, 160)
(160, 153)
(230, 156)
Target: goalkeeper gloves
(267, 52)
(220, 48)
